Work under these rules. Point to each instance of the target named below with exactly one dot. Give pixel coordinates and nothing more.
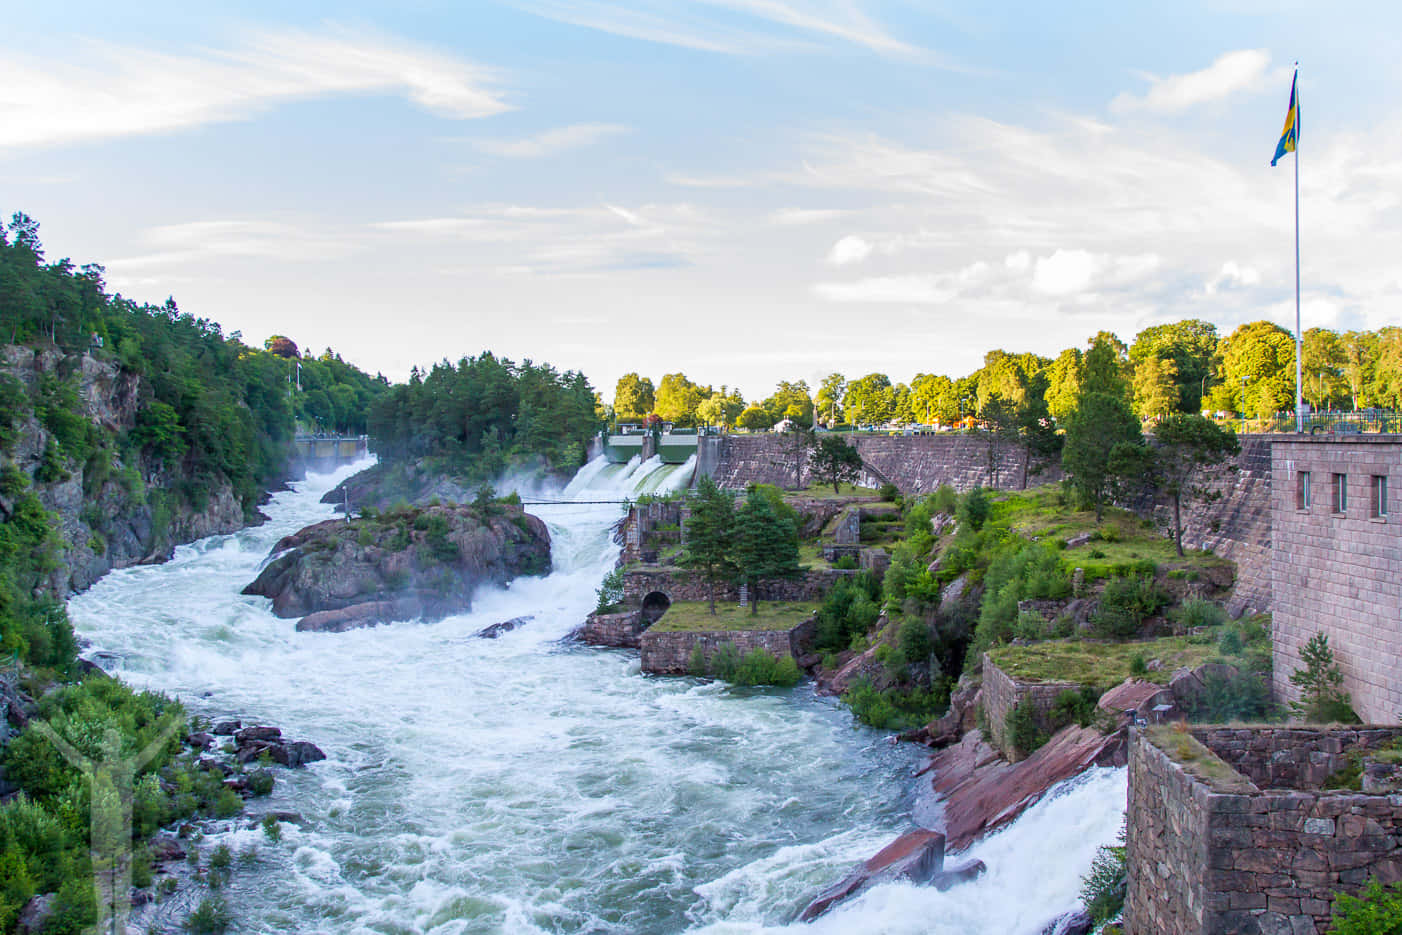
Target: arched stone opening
(654, 606)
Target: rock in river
(422, 563)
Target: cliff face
(115, 509)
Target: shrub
(1377, 911)
(1030, 626)
(1024, 732)
(272, 829)
(846, 563)
(212, 917)
(1074, 707)
(974, 509)
(696, 663)
(1243, 697)
(759, 667)
(1103, 888)
(1033, 572)
(724, 662)
(895, 709)
(1137, 666)
(610, 592)
(944, 500)
(913, 637)
(1321, 684)
(889, 492)
(1230, 644)
(260, 782)
(1196, 612)
(1126, 603)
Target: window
(1340, 493)
(1379, 496)
(1302, 490)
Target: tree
(1100, 422)
(678, 397)
(1360, 349)
(1321, 684)
(933, 400)
(791, 401)
(766, 543)
(1064, 384)
(1104, 368)
(633, 398)
(868, 400)
(1322, 368)
(1187, 444)
(282, 346)
(1191, 346)
(755, 418)
(710, 536)
(833, 461)
(830, 393)
(1155, 388)
(1258, 368)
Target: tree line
(1184, 366)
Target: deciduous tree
(1187, 445)
(835, 462)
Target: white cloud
(126, 91)
(797, 217)
(175, 244)
(1065, 272)
(850, 249)
(1242, 70)
(908, 290)
(1233, 275)
(1019, 262)
(551, 141)
(763, 26)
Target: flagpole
(1299, 336)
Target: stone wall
(1291, 757)
(620, 631)
(1002, 693)
(1340, 574)
(1211, 853)
(681, 585)
(916, 464)
(667, 652)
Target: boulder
(917, 856)
(165, 848)
(1078, 922)
(506, 626)
(34, 917)
(250, 734)
(421, 563)
(226, 728)
(201, 740)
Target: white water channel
(530, 785)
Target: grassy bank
(685, 616)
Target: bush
(1033, 572)
(974, 509)
(894, 709)
(944, 500)
(889, 492)
(1126, 603)
(1243, 697)
(1196, 612)
(1322, 696)
(1137, 666)
(913, 637)
(1230, 644)
(1024, 732)
(846, 563)
(1103, 889)
(1377, 911)
(758, 667)
(696, 663)
(212, 917)
(610, 592)
(260, 782)
(724, 662)
(272, 829)
(1074, 707)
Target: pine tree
(766, 543)
(710, 536)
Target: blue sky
(744, 190)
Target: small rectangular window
(1379, 496)
(1340, 493)
(1302, 490)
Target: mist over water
(525, 784)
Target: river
(531, 785)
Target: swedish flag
(1291, 133)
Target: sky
(741, 190)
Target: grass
(824, 492)
(1103, 665)
(810, 554)
(1197, 760)
(691, 616)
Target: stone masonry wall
(669, 652)
(1002, 693)
(916, 464)
(1291, 757)
(1340, 574)
(1237, 525)
(681, 585)
(1221, 856)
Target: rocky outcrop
(419, 563)
(116, 509)
(983, 791)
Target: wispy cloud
(1243, 70)
(731, 27)
(524, 240)
(175, 244)
(112, 90)
(551, 142)
(799, 217)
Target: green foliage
(1376, 911)
(1022, 729)
(845, 563)
(272, 828)
(974, 509)
(833, 461)
(848, 611)
(1103, 889)
(895, 708)
(1033, 572)
(944, 500)
(1138, 667)
(211, 917)
(1126, 604)
(710, 536)
(1242, 697)
(260, 782)
(914, 641)
(484, 414)
(1074, 707)
(610, 592)
(724, 662)
(1321, 684)
(759, 667)
(1196, 612)
(1100, 423)
(766, 541)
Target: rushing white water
(524, 785)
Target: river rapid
(531, 785)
